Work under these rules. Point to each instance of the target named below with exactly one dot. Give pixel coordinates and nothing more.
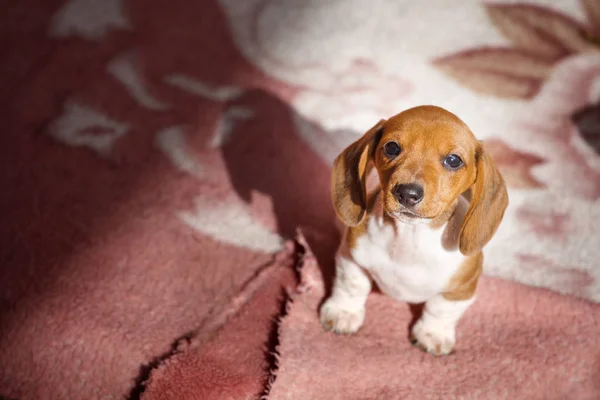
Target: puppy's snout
(409, 194)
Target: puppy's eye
(391, 149)
(452, 162)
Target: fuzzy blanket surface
(515, 343)
(159, 158)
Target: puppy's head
(425, 157)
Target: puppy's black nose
(409, 194)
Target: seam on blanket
(210, 326)
(274, 355)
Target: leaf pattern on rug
(503, 72)
(539, 30)
(540, 38)
(571, 278)
(554, 225)
(514, 165)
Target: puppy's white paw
(435, 339)
(337, 317)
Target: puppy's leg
(344, 311)
(435, 331)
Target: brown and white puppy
(419, 235)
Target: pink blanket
(515, 343)
(236, 363)
(157, 157)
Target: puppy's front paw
(435, 339)
(341, 319)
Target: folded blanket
(235, 364)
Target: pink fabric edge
(254, 305)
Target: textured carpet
(157, 157)
(516, 342)
(216, 369)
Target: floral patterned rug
(157, 157)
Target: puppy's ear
(349, 177)
(489, 200)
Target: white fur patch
(435, 331)
(344, 311)
(409, 262)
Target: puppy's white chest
(408, 262)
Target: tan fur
(349, 178)
(354, 232)
(463, 284)
(426, 135)
(489, 200)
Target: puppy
(419, 235)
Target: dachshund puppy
(419, 235)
